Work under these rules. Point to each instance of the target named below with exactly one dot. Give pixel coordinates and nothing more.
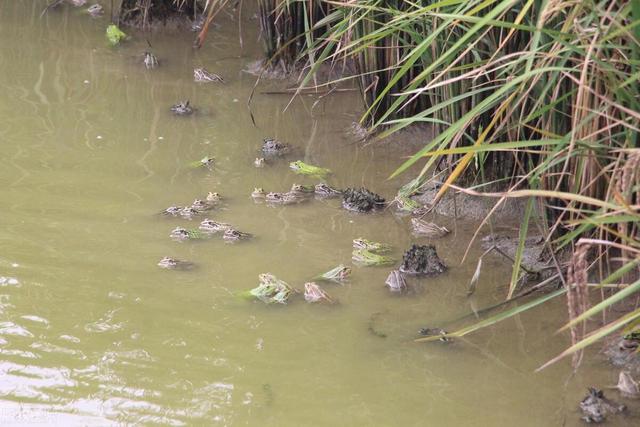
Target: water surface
(93, 332)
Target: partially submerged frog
(211, 226)
(175, 264)
(337, 274)
(201, 205)
(182, 108)
(324, 190)
(172, 210)
(258, 193)
(428, 229)
(361, 200)
(205, 162)
(283, 198)
(273, 147)
(303, 168)
(202, 75)
(233, 235)
(95, 10)
(369, 245)
(314, 293)
(396, 281)
(301, 189)
(150, 60)
(189, 212)
(368, 258)
(180, 233)
(595, 407)
(627, 386)
(213, 197)
(422, 259)
(259, 162)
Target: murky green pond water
(92, 332)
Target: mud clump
(422, 259)
(361, 200)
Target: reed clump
(539, 98)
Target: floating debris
(115, 35)
(150, 60)
(434, 332)
(595, 407)
(368, 258)
(421, 259)
(204, 76)
(428, 229)
(324, 190)
(314, 293)
(361, 200)
(396, 281)
(182, 108)
(271, 290)
(180, 233)
(369, 245)
(303, 168)
(175, 264)
(338, 274)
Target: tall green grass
(542, 93)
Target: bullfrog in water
(396, 281)
(595, 407)
(273, 147)
(258, 193)
(233, 235)
(283, 198)
(182, 108)
(204, 76)
(172, 210)
(314, 293)
(150, 60)
(201, 205)
(213, 197)
(175, 264)
(324, 190)
(95, 10)
(302, 190)
(211, 226)
(428, 229)
(422, 260)
(361, 200)
(259, 162)
(188, 212)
